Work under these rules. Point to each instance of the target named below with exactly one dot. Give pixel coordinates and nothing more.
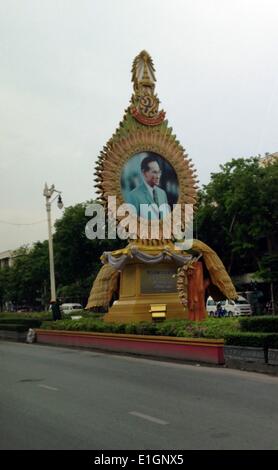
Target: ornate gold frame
(143, 130)
(144, 140)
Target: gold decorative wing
(105, 284)
(218, 274)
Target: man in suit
(148, 192)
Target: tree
(25, 282)
(76, 257)
(3, 286)
(238, 216)
(77, 262)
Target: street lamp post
(48, 192)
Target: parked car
(233, 308)
(68, 309)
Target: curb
(189, 349)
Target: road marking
(48, 388)
(147, 417)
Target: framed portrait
(147, 167)
(147, 178)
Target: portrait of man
(149, 183)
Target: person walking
(56, 312)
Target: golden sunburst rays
(124, 145)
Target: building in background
(6, 259)
(269, 159)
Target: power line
(14, 223)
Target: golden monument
(144, 163)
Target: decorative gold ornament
(144, 103)
(182, 280)
(143, 129)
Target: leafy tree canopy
(238, 213)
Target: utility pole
(48, 192)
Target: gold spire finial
(145, 103)
(143, 71)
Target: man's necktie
(155, 197)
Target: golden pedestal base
(143, 286)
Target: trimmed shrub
(255, 340)
(131, 329)
(28, 322)
(265, 324)
(211, 328)
(217, 327)
(272, 341)
(145, 328)
(13, 327)
(43, 316)
(172, 327)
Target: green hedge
(34, 315)
(216, 328)
(13, 327)
(255, 340)
(18, 316)
(265, 324)
(272, 341)
(28, 322)
(211, 328)
(93, 325)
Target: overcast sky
(65, 81)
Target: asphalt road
(58, 398)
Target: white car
(233, 308)
(68, 309)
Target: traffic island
(210, 351)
